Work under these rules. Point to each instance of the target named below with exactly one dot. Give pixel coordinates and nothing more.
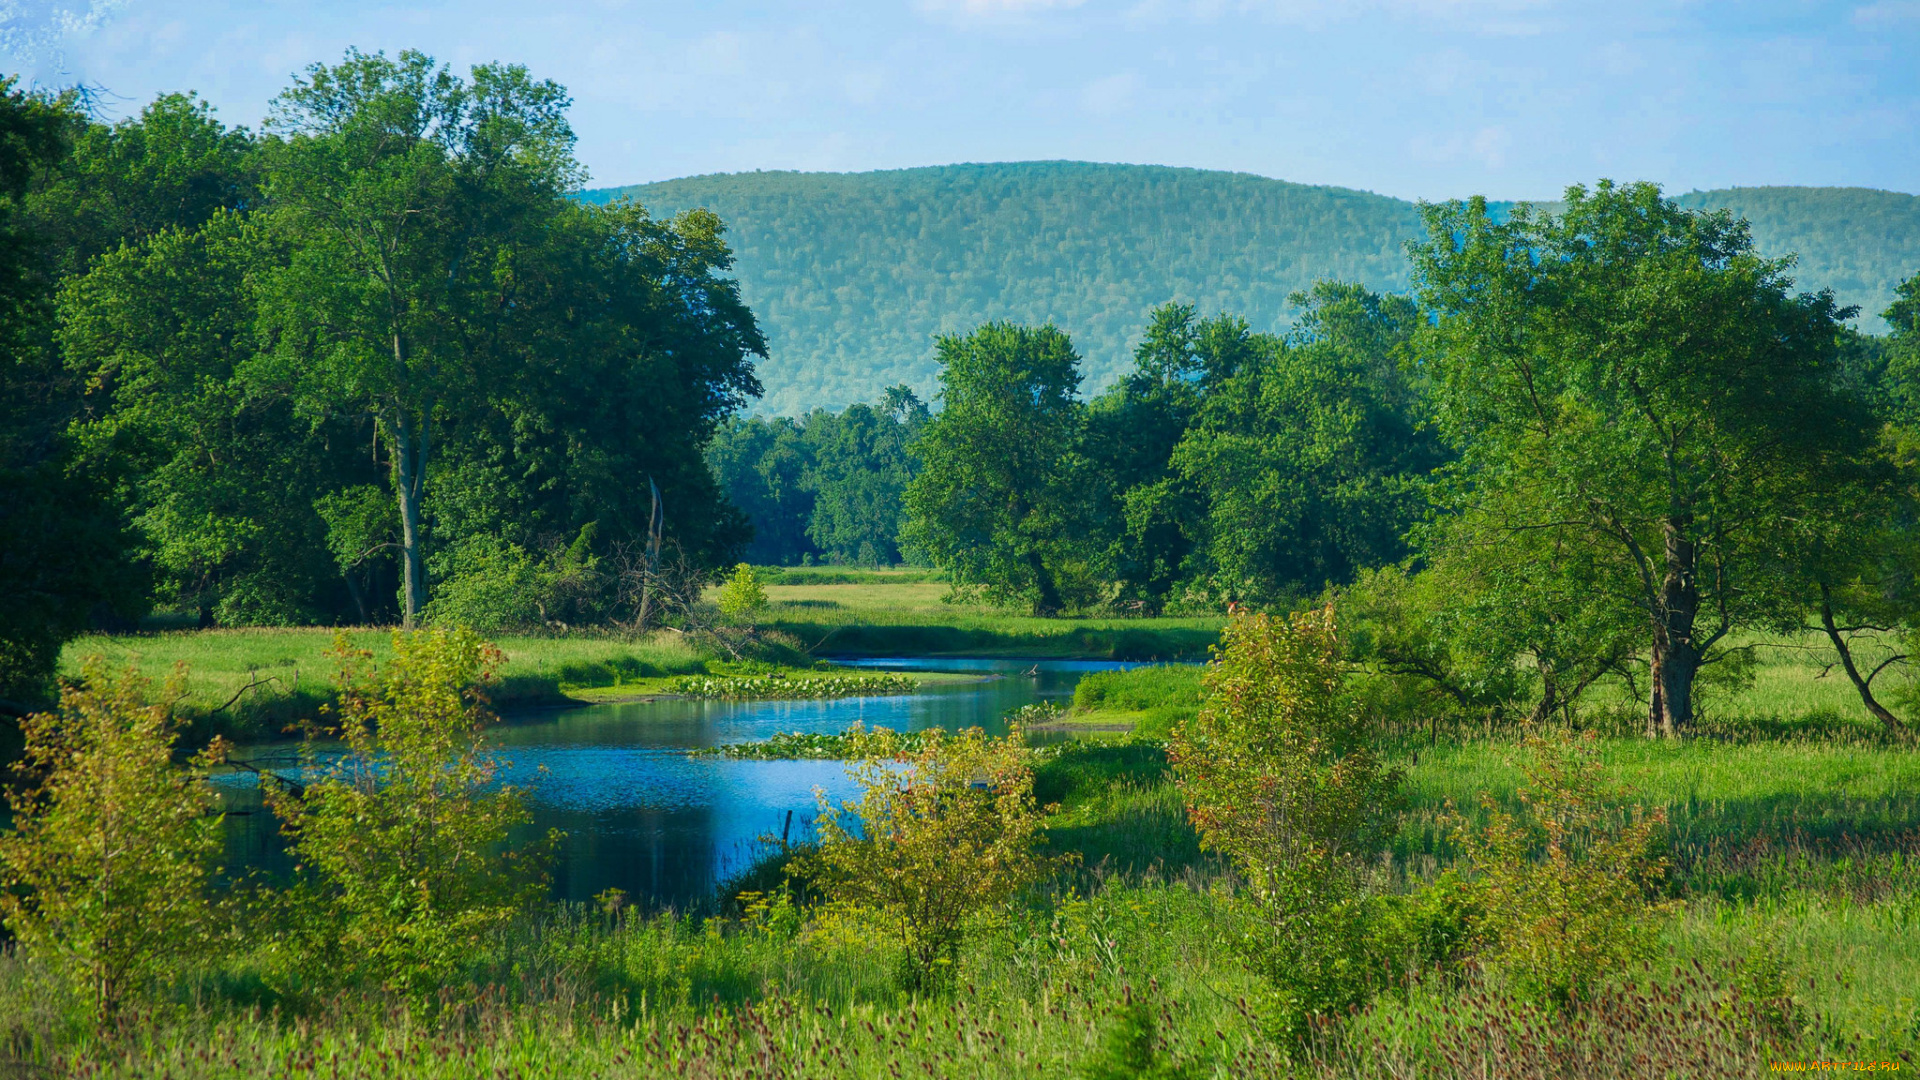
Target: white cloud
(29, 26)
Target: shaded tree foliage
(1633, 377)
(1000, 499)
(828, 486)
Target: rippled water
(642, 815)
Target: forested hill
(852, 274)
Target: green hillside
(852, 274)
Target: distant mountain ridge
(852, 274)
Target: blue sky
(1414, 98)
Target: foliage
(1566, 882)
(380, 339)
(825, 486)
(488, 586)
(1001, 488)
(741, 595)
(780, 686)
(855, 742)
(103, 876)
(63, 544)
(853, 274)
(1407, 631)
(1634, 384)
(940, 834)
(1279, 777)
(403, 837)
(1309, 460)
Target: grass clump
(780, 685)
(1154, 699)
(855, 742)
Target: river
(643, 815)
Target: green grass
(250, 683)
(1152, 699)
(893, 617)
(1794, 839)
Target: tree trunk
(359, 595)
(1047, 602)
(1549, 694)
(409, 465)
(1863, 685)
(1677, 654)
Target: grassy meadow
(1794, 861)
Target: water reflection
(642, 815)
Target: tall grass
(1153, 699)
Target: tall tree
(1310, 459)
(1000, 499)
(405, 194)
(62, 541)
(1633, 377)
(862, 463)
(1148, 508)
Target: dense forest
(853, 275)
(370, 364)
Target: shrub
(1278, 776)
(105, 871)
(404, 838)
(1566, 883)
(940, 833)
(742, 596)
(489, 585)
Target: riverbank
(249, 684)
(1794, 863)
(882, 616)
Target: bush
(742, 596)
(1566, 884)
(939, 834)
(104, 873)
(489, 585)
(403, 840)
(1279, 777)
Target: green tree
(222, 476)
(1310, 459)
(1000, 494)
(404, 838)
(1279, 776)
(174, 166)
(404, 197)
(741, 595)
(862, 463)
(761, 465)
(1632, 376)
(104, 873)
(937, 836)
(1150, 510)
(63, 543)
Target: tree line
(371, 359)
(1607, 441)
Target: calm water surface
(642, 815)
